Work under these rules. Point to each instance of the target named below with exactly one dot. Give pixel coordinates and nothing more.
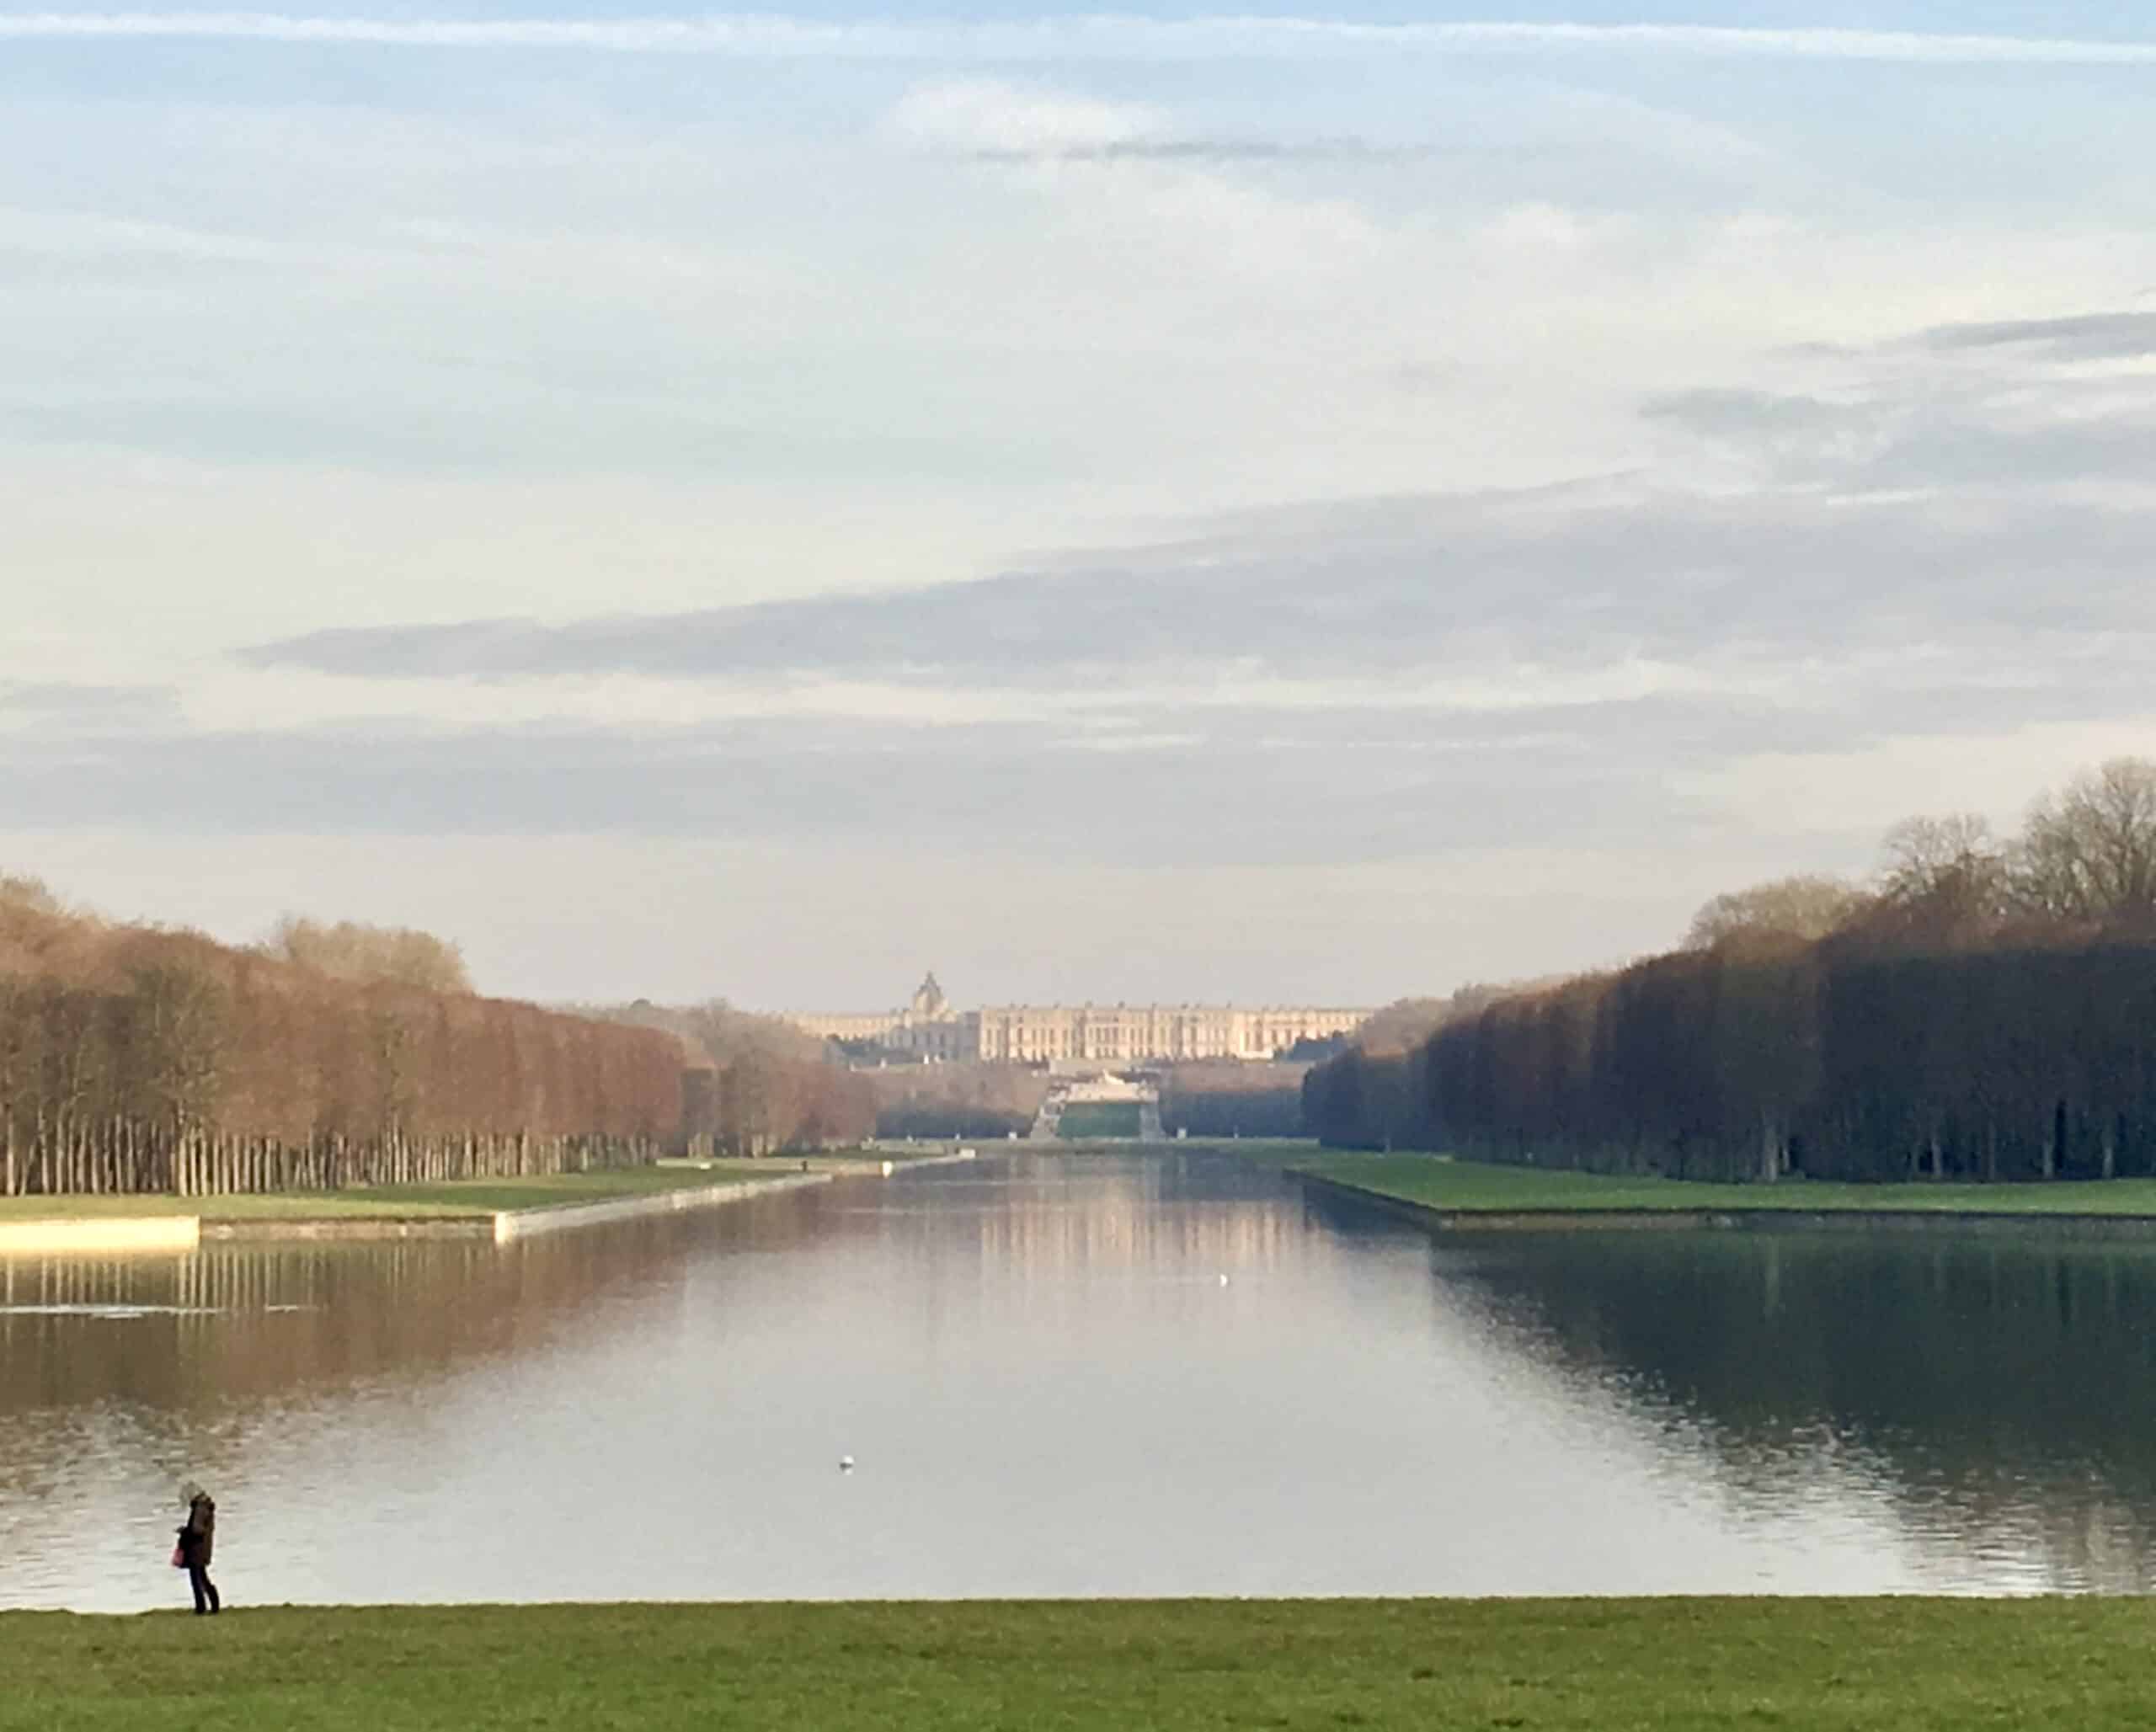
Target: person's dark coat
(199, 1538)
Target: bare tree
(1405, 1023)
(2089, 852)
(1808, 906)
(397, 955)
(19, 890)
(1950, 869)
(177, 1028)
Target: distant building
(1108, 1034)
(927, 1026)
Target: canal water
(1081, 1375)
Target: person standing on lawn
(198, 1539)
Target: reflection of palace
(1128, 1227)
(1114, 1034)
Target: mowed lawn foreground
(1599, 1666)
(1476, 1187)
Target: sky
(1299, 506)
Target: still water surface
(1081, 1375)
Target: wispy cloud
(987, 121)
(695, 385)
(1990, 406)
(1183, 794)
(1810, 604)
(47, 703)
(1872, 592)
(1077, 36)
(2096, 336)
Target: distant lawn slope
(1478, 1187)
(1084, 1119)
(1553, 1665)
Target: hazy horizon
(1297, 508)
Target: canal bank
(1439, 1192)
(499, 1210)
(1915, 1664)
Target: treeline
(347, 950)
(1986, 1009)
(981, 1101)
(756, 1084)
(1234, 1099)
(133, 1058)
(988, 1100)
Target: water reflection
(1078, 1376)
(1996, 1389)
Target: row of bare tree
(1985, 1010)
(757, 1084)
(135, 1059)
(1233, 1098)
(968, 1099)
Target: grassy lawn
(1085, 1121)
(1473, 1187)
(463, 1197)
(1610, 1665)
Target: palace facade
(1106, 1034)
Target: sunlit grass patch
(1556, 1665)
(1470, 1186)
(453, 1198)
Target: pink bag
(178, 1558)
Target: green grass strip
(1589, 1665)
(1477, 1187)
(458, 1198)
(1087, 1119)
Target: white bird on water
(845, 1464)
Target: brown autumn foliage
(756, 1084)
(391, 956)
(1808, 906)
(117, 1037)
(977, 1099)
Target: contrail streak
(1077, 36)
